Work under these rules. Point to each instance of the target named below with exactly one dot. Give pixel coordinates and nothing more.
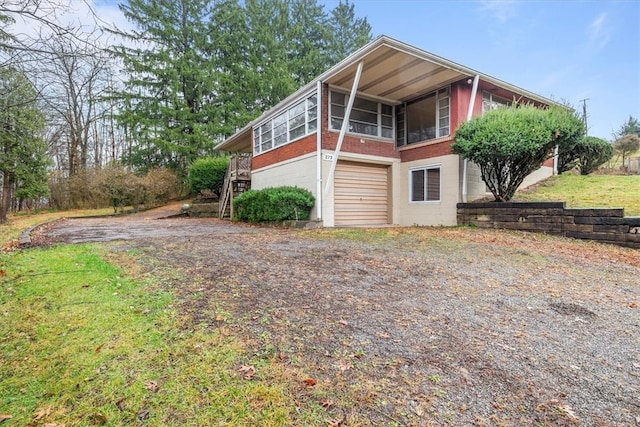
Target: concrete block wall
(603, 225)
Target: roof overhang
(393, 71)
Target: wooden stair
(236, 181)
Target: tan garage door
(361, 194)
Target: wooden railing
(239, 170)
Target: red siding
(427, 151)
(292, 150)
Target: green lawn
(611, 191)
(83, 344)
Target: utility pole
(584, 114)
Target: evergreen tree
(23, 159)
(348, 33)
(170, 95)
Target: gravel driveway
(410, 326)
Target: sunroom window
(423, 119)
(368, 117)
(491, 102)
(295, 122)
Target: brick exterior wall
(602, 225)
(289, 151)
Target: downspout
(472, 103)
(555, 160)
(319, 153)
(345, 125)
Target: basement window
(424, 184)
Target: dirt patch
(416, 326)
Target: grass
(597, 191)
(83, 344)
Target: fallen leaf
(566, 409)
(120, 404)
(343, 322)
(42, 413)
(152, 386)
(633, 305)
(2, 273)
(220, 318)
(98, 348)
(99, 418)
(5, 417)
(309, 382)
(327, 403)
(247, 371)
(143, 414)
(337, 422)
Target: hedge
(274, 204)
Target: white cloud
(501, 10)
(599, 32)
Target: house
(391, 162)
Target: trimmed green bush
(274, 204)
(511, 142)
(207, 174)
(591, 153)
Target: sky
(570, 51)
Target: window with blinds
(425, 184)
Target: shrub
(161, 185)
(511, 142)
(207, 174)
(591, 153)
(274, 204)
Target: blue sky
(565, 50)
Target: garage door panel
(360, 194)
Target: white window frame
(310, 124)
(426, 185)
(494, 101)
(379, 126)
(438, 116)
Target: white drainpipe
(472, 102)
(555, 160)
(319, 154)
(343, 129)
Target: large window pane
(417, 185)
(363, 116)
(421, 119)
(365, 104)
(433, 184)
(367, 117)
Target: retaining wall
(603, 225)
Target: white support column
(343, 129)
(319, 153)
(465, 163)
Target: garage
(361, 194)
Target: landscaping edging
(602, 225)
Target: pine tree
(169, 97)
(348, 33)
(23, 159)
